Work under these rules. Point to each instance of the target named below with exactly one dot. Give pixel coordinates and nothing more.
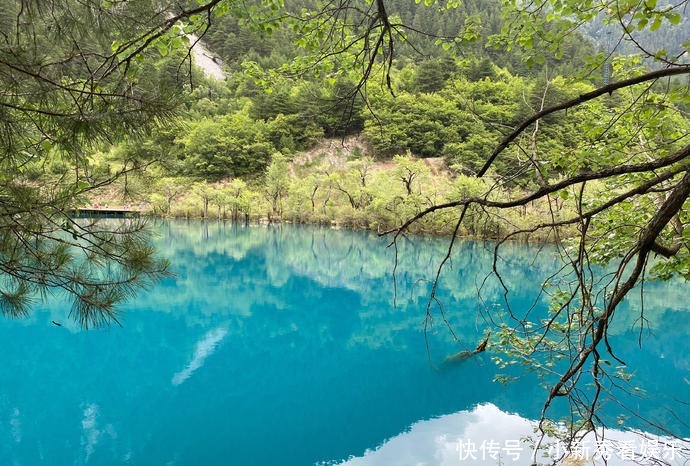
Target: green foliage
(422, 124)
(410, 172)
(276, 182)
(431, 75)
(292, 133)
(226, 146)
(74, 78)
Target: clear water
(288, 346)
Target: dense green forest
(312, 146)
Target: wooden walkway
(106, 212)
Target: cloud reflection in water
(488, 436)
(204, 348)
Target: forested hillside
(234, 149)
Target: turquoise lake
(286, 345)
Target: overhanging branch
(651, 76)
(608, 172)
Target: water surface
(291, 346)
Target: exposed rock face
(204, 59)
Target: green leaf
(47, 146)
(162, 49)
(674, 18)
